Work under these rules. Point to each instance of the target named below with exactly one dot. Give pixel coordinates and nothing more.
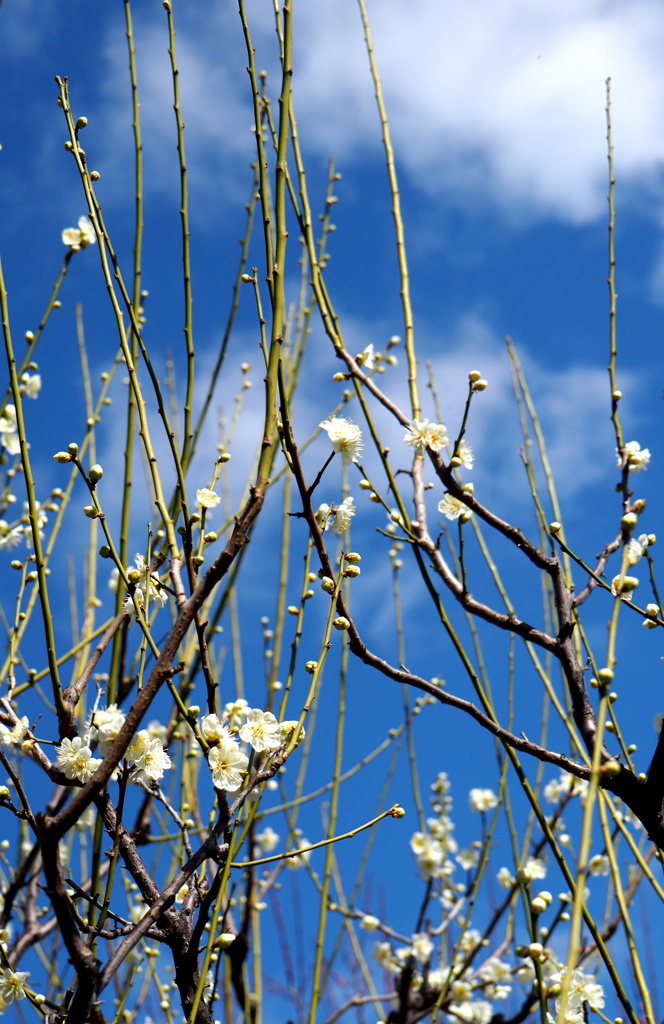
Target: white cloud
(498, 101)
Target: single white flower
(80, 237)
(505, 878)
(422, 947)
(16, 735)
(9, 438)
(10, 536)
(261, 730)
(31, 384)
(300, 859)
(267, 840)
(482, 800)
(622, 586)
(207, 498)
(213, 729)
(12, 984)
(634, 457)
(599, 864)
(228, 765)
(366, 358)
(342, 516)
(369, 923)
(422, 434)
(76, 760)
(534, 869)
(287, 729)
(345, 438)
(465, 455)
(453, 508)
(468, 859)
(583, 989)
(637, 548)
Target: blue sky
(498, 122)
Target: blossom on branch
(261, 730)
(12, 984)
(633, 456)
(422, 434)
(453, 508)
(482, 800)
(148, 758)
(76, 760)
(342, 516)
(80, 237)
(207, 498)
(228, 764)
(345, 437)
(9, 438)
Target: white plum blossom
(228, 764)
(299, 859)
(369, 923)
(147, 758)
(106, 725)
(9, 438)
(505, 878)
(583, 990)
(465, 455)
(468, 859)
(345, 438)
(634, 457)
(16, 735)
(261, 731)
(207, 498)
(12, 984)
(558, 788)
(80, 237)
(534, 869)
(454, 508)
(30, 385)
(267, 839)
(213, 729)
(10, 536)
(422, 434)
(422, 947)
(482, 800)
(366, 358)
(599, 864)
(144, 583)
(76, 760)
(342, 516)
(636, 549)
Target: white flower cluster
(422, 434)
(260, 730)
(145, 755)
(12, 534)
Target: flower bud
(605, 675)
(611, 768)
(480, 385)
(617, 395)
(474, 376)
(327, 584)
(311, 667)
(292, 609)
(62, 457)
(352, 557)
(15, 564)
(352, 571)
(72, 449)
(629, 521)
(649, 624)
(341, 622)
(555, 527)
(398, 811)
(210, 538)
(81, 122)
(29, 336)
(96, 473)
(104, 551)
(95, 175)
(91, 512)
